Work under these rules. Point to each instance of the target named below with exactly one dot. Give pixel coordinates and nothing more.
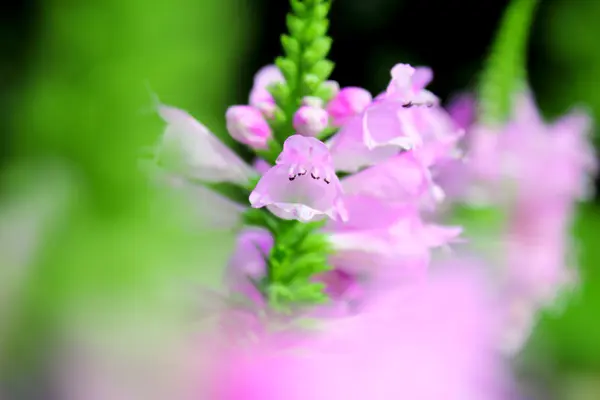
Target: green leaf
(506, 66)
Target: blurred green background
(74, 79)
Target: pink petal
(349, 151)
(247, 125)
(191, 149)
(350, 101)
(260, 97)
(249, 261)
(302, 185)
(385, 124)
(421, 78)
(402, 178)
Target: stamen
(315, 173)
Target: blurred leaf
(123, 247)
(505, 69)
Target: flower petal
(303, 184)
(189, 148)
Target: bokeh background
(75, 108)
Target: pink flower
(349, 102)
(429, 341)
(526, 152)
(463, 109)
(385, 242)
(408, 85)
(248, 266)
(247, 125)
(405, 117)
(310, 120)
(401, 178)
(536, 172)
(189, 148)
(303, 184)
(260, 97)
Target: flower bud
(312, 101)
(347, 103)
(247, 125)
(310, 120)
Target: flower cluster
(341, 221)
(375, 230)
(535, 174)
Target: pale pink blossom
(405, 117)
(401, 178)
(527, 152)
(303, 184)
(350, 101)
(189, 148)
(247, 125)
(429, 341)
(385, 242)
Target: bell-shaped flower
(188, 148)
(303, 184)
(310, 120)
(350, 101)
(247, 125)
(405, 117)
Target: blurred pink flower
(303, 184)
(536, 172)
(463, 110)
(189, 148)
(429, 341)
(390, 245)
(248, 264)
(350, 101)
(527, 151)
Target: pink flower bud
(310, 120)
(247, 125)
(347, 103)
(312, 101)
